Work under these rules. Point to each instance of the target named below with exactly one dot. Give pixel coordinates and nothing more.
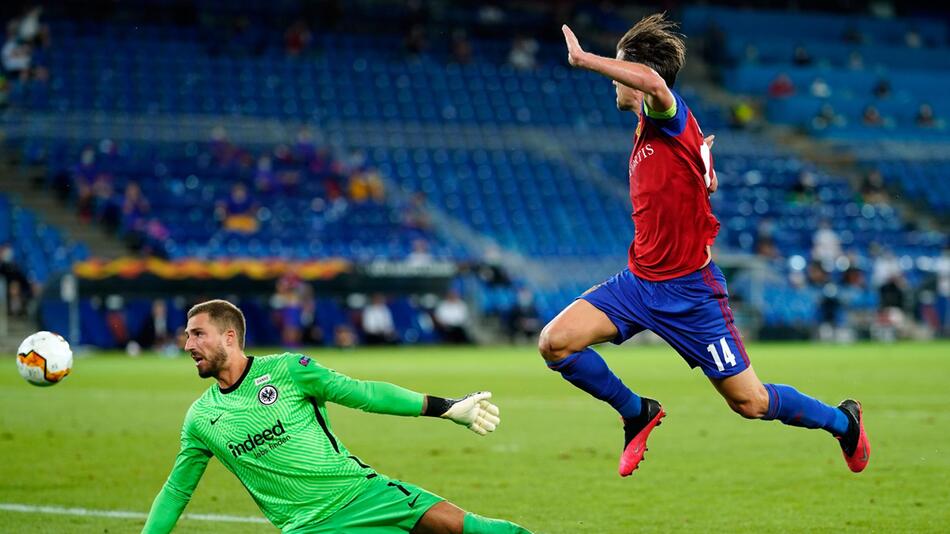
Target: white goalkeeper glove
(473, 411)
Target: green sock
(476, 524)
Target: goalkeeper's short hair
(223, 315)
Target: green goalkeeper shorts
(386, 505)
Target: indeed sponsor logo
(270, 437)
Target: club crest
(267, 395)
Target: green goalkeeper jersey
(272, 431)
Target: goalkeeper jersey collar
(247, 369)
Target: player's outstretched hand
(713, 180)
(475, 412)
(574, 51)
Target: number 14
(726, 354)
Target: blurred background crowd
(450, 144)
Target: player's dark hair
(653, 42)
(223, 315)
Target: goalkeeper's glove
(473, 411)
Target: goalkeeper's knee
(476, 524)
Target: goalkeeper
(266, 421)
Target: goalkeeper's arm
(474, 411)
(171, 501)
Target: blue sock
(793, 408)
(589, 372)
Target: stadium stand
(529, 199)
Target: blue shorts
(691, 313)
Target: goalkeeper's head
(215, 334)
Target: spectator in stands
(853, 35)
(781, 86)
(19, 290)
(415, 41)
(461, 47)
(714, 45)
(117, 325)
(83, 178)
(826, 245)
(801, 57)
(524, 321)
(265, 179)
(912, 39)
(305, 147)
(855, 60)
(804, 188)
(886, 266)
(765, 247)
(4, 89)
(857, 300)
(873, 190)
(925, 117)
(881, 89)
(415, 214)
(377, 321)
(871, 117)
(491, 271)
(313, 333)
(343, 336)
(16, 55)
(819, 88)
(829, 310)
(451, 318)
(750, 54)
(854, 278)
(287, 304)
(523, 53)
(815, 274)
(239, 212)
(742, 114)
(420, 255)
(224, 153)
(135, 208)
(245, 38)
(827, 117)
(36, 36)
(107, 204)
(893, 318)
(297, 38)
(366, 185)
(155, 333)
(942, 268)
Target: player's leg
(752, 399)
(565, 346)
(698, 322)
(608, 312)
(446, 518)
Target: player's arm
(189, 466)
(474, 411)
(638, 76)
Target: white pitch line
(122, 514)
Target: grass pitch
(106, 438)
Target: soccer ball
(44, 359)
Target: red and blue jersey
(670, 169)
